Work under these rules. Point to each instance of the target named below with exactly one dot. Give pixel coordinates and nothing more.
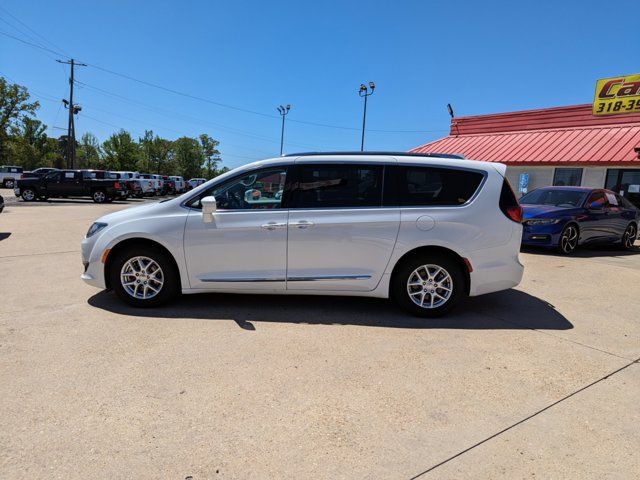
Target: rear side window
(336, 185)
(408, 186)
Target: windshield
(557, 198)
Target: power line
(220, 104)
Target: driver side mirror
(596, 206)
(209, 208)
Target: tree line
(24, 142)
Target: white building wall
(594, 177)
(538, 177)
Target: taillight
(117, 185)
(509, 203)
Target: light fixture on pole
(283, 113)
(365, 91)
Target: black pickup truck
(70, 183)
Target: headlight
(95, 228)
(542, 221)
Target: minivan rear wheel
(428, 285)
(144, 276)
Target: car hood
(541, 211)
(140, 211)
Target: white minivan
(425, 230)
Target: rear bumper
(496, 268)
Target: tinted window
(597, 200)
(417, 186)
(568, 177)
(336, 185)
(558, 198)
(256, 190)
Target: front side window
(597, 200)
(567, 177)
(337, 186)
(430, 186)
(260, 189)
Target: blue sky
(481, 57)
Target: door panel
(238, 249)
(340, 249)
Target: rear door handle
(303, 224)
(272, 225)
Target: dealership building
(552, 146)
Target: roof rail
(395, 154)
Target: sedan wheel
(629, 237)
(568, 239)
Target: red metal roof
(554, 135)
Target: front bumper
(541, 235)
(92, 263)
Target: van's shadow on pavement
(511, 309)
(4, 235)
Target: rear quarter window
(412, 186)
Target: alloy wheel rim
(141, 277)
(29, 195)
(569, 239)
(99, 196)
(10, 184)
(430, 286)
(629, 236)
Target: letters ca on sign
(617, 95)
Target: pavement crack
(520, 422)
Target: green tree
(188, 156)
(211, 154)
(121, 152)
(89, 153)
(14, 108)
(156, 154)
(29, 145)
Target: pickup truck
(70, 183)
(9, 175)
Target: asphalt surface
(541, 381)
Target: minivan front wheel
(428, 285)
(144, 276)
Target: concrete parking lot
(541, 381)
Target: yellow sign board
(617, 95)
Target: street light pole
(283, 113)
(365, 92)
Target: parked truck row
(101, 185)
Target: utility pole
(283, 113)
(364, 92)
(73, 110)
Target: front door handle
(272, 225)
(303, 224)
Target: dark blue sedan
(565, 217)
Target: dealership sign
(617, 95)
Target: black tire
(99, 196)
(629, 237)
(9, 183)
(569, 239)
(432, 284)
(169, 289)
(28, 194)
